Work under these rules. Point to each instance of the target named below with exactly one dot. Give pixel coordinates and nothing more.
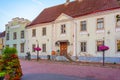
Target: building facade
(78, 28)
(2, 41)
(15, 35)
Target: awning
(59, 41)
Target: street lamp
(103, 48)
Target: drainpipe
(53, 36)
(75, 39)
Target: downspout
(53, 35)
(75, 38)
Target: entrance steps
(61, 58)
(68, 57)
(64, 58)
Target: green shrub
(8, 51)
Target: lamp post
(103, 48)
(103, 54)
(37, 49)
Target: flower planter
(2, 75)
(11, 65)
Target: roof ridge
(59, 5)
(74, 9)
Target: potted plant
(58, 52)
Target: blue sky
(28, 9)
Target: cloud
(38, 2)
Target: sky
(28, 9)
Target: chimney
(67, 2)
(79, 0)
(118, 2)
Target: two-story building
(2, 41)
(78, 28)
(15, 34)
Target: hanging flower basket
(37, 49)
(103, 48)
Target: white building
(15, 35)
(78, 28)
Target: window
(7, 45)
(43, 47)
(100, 23)
(83, 46)
(99, 43)
(33, 32)
(117, 17)
(7, 36)
(43, 31)
(118, 20)
(15, 45)
(63, 29)
(118, 45)
(22, 34)
(14, 35)
(22, 47)
(33, 46)
(83, 26)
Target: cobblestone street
(47, 70)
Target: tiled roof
(2, 34)
(75, 9)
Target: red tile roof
(75, 9)
(2, 34)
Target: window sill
(63, 35)
(100, 31)
(117, 29)
(83, 32)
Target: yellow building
(2, 36)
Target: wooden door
(63, 48)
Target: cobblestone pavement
(46, 70)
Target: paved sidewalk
(45, 70)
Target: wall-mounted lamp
(88, 34)
(48, 40)
(108, 32)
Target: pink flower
(37, 49)
(103, 48)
